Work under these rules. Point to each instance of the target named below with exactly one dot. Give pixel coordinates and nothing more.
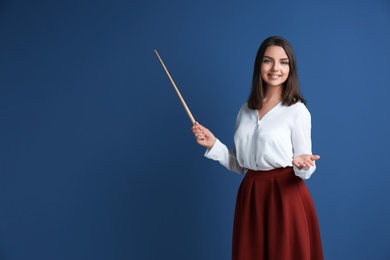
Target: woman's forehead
(275, 52)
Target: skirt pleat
(275, 218)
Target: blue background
(97, 160)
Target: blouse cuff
(305, 173)
(214, 151)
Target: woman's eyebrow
(268, 57)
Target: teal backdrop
(97, 157)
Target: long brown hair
(290, 92)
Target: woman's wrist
(212, 144)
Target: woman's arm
(216, 150)
(303, 161)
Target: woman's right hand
(203, 136)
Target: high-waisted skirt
(275, 218)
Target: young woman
(274, 217)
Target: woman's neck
(273, 94)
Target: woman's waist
(274, 173)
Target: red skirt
(275, 218)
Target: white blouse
(272, 142)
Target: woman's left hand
(305, 160)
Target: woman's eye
(284, 62)
(266, 61)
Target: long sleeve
(301, 142)
(219, 152)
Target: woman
(274, 217)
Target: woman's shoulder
(298, 108)
(299, 105)
(244, 111)
(245, 106)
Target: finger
(315, 157)
(195, 129)
(310, 163)
(202, 128)
(199, 137)
(196, 125)
(296, 163)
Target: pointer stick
(177, 90)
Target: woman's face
(275, 66)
